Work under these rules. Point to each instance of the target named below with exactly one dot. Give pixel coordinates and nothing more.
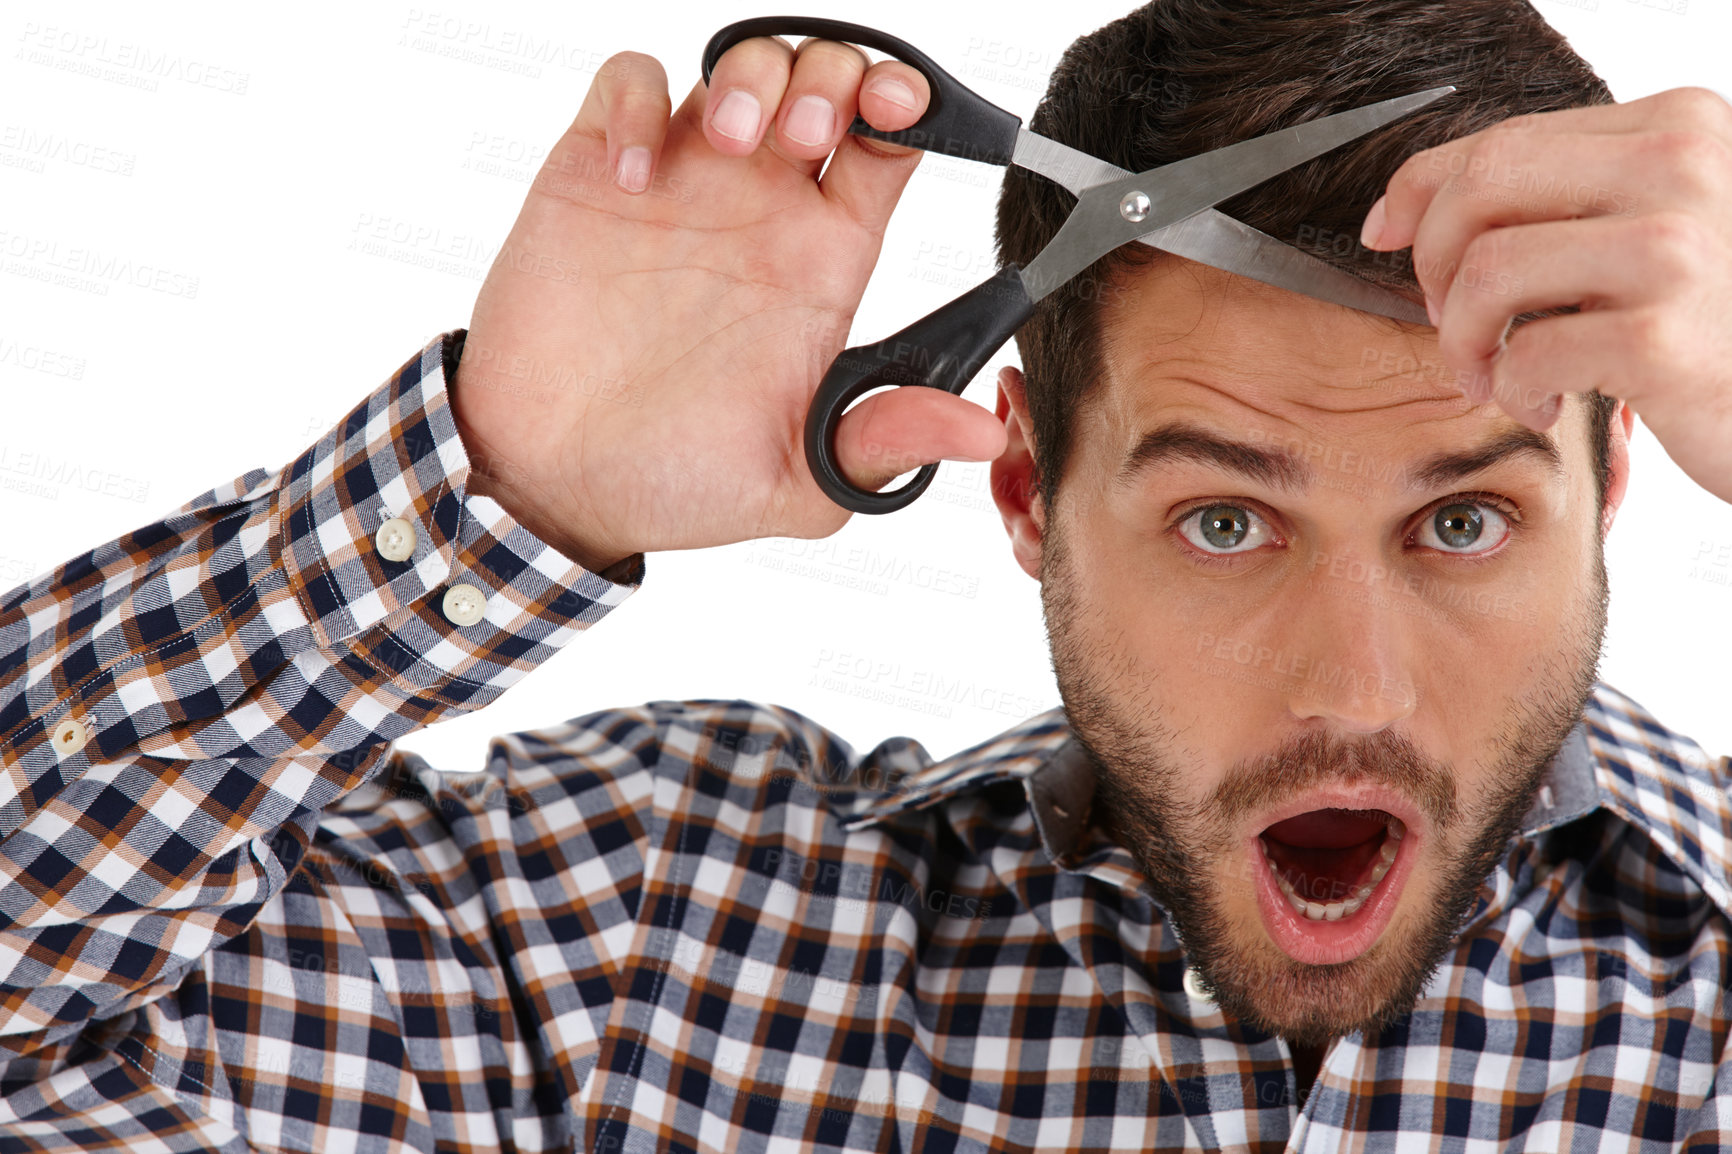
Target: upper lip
(1347, 796)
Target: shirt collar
(913, 784)
(1666, 785)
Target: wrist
(525, 510)
(499, 476)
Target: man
(1403, 869)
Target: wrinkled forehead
(1185, 342)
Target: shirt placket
(1229, 1091)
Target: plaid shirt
(236, 918)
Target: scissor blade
(1185, 186)
(1068, 167)
(1216, 239)
(1174, 191)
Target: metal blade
(1071, 168)
(1200, 181)
(1216, 239)
(1174, 191)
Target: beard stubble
(1188, 850)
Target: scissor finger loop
(1170, 207)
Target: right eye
(1224, 528)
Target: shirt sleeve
(178, 706)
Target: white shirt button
(464, 604)
(1194, 986)
(70, 736)
(396, 539)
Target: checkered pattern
(239, 919)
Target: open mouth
(1329, 878)
(1327, 862)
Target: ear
(1015, 487)
(1617, 463)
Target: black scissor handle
(958, 121)
(942, 350)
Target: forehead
(1183, 340)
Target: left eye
(1224, 529)
(1464, 527)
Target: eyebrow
(1291, 472)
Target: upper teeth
(1335, 911)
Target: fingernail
(1372, 233)
(895, 92)
(633, 171)
(812, 120)
(1431, 311)
(1550, 410)
(738, 116)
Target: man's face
(1321, 624)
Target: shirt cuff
(475, 598)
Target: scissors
(1169, 208)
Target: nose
(1356, 674)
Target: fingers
(819, 105)
(1547, 358)
(1452, 196)
(1602, 262)
(1616, 267)
(1596, 160)
(746, 89)
(799, 103)
(627, 106)
(893, 95)
(1672, 108)
(892, 432)
(866, 176)
(1504, 183)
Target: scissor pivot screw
(1135, 207)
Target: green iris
(1458, 525)
(1225, 526)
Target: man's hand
(645, 347)
(1623, 209)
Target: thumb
(896, 431)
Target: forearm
(177, 706)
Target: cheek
(1490, 655)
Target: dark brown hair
(1179, 77)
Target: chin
(1257, 979)
(1311, 1004)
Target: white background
(248, 150)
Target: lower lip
(1329, 943)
